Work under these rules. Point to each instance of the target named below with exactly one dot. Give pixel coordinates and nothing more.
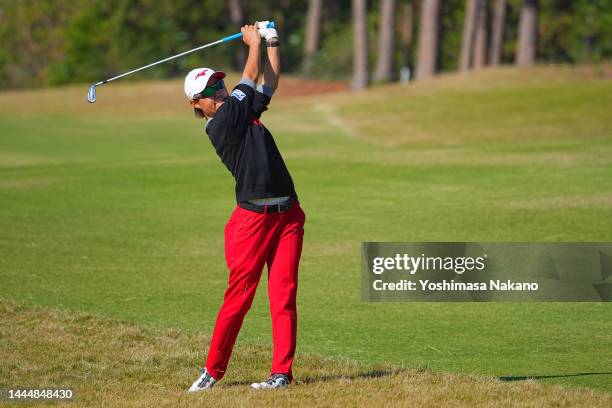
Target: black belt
(266, 209)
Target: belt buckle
(286, 203)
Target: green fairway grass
(118, 209)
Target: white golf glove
(266, 33)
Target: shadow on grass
(376, 373)
(540, 377)
(309, 379)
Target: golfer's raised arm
(251, 37)
(272, 68)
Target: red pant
(252, 240)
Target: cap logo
(201, 73)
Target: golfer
(267, 225)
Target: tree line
(50, 42)
(483, 34)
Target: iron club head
(91, 94)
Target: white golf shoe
(204, 382)
(275, 381)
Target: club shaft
(225, 39)
(231, 37)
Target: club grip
(268, 24)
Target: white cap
(197, 79)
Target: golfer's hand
(250, 35)
(266, 33)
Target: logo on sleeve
(238, 94)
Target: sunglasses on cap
(210, 90)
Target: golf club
(91, 93)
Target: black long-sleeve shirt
(247, 147)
